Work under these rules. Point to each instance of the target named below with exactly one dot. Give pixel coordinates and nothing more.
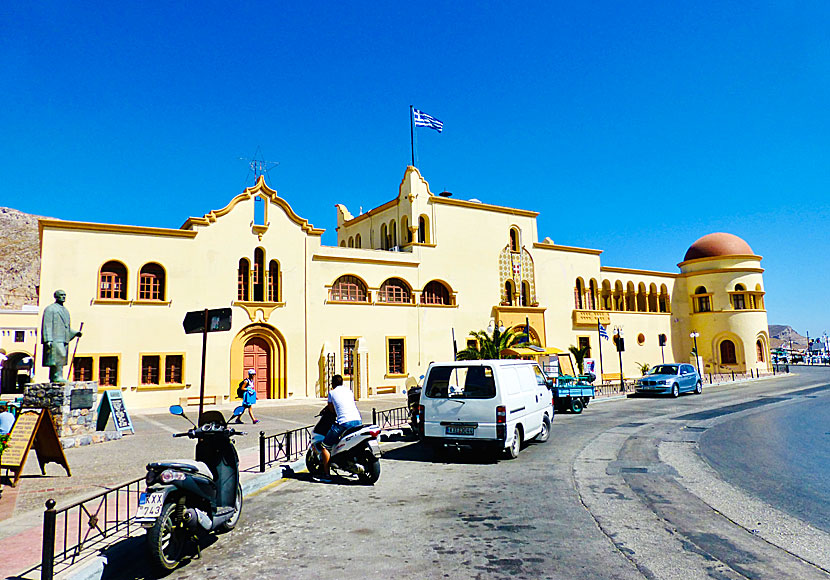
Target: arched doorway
(727, 353)
(260, 347)
(257, 356)
(16, 372)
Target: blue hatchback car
(670, 379)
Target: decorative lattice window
(348, 289)
(395, 291)
(435, 293)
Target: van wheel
(544, 434)
(576, 405)
(516, 446)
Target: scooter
(184, 497)
(357, 452)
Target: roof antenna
(258, 166)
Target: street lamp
(693, 335)
(618, 331)
(491, 327)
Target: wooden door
(257, 356)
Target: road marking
(158, 424)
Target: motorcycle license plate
(454, 430)
(149, 505)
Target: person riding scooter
(341, 401)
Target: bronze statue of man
(55, 334)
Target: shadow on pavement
(419, 452)
(128, 559)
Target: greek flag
(602, 332)
(424, 120)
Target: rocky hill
(19, 258)
(781, 334)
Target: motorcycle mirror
(238, 411)
(176, 410)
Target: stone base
(58, 398)
(96, 437)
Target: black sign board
(219, 320)
(112, 403)
(80, 399)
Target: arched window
(525, 293)
(664, 298)
(343, 243)
(151, 282)
(243, 280)
(395, 291)
(739, 297)
(349, 289)
(406, 233)
(436, 293)
(641, 298)
(630, 298)
(579, 290)
(727, 353)
(702, 300)
(592, 294)
(606, 302)
(514, 240)
(393, 235)
(258, 278)
(759, 350)
(652, 298)
(384, 238)
(423, 230)
(357, 241)
(351, 242)
(274, 288)
(619, 296)
(112, 282)
(509, 290)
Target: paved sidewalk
(103, 466)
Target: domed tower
(719, 295)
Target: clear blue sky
(633, 127)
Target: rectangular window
(584, 341)
(108, 371)
(149, 287)
(19, 336)
(703, 304)
(349, 345)
(396, 363)
(150, 365)
(173, 368)
(739, 302)
(110, 286)
(82, 368)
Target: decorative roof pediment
(260, 189)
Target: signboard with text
(112, 404)
(34, 428)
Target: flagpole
(412, 132)
(599, 337)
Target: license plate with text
(456, 430)
(149, 505)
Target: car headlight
(169, 475)
(661, 382)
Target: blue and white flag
(602, 332)
(424, 120)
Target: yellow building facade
(378, 307)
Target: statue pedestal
(74, 409)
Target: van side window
(461, 382)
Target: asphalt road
(620, 491)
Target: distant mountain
(780, 336)
(19, 258)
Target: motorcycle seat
(185, 465)
(351, 430)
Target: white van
(496, 403)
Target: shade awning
(535, 351)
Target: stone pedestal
(74, 408)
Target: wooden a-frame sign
(33, 428)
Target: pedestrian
(6, 419)
(248, 389)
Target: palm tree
(580, 354)
(491, 346)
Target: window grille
(395, 291)
(150, 365)
(108, 371)
(349, 345)
(435, 293)
(396, 359)
(82, 368)
(173, 365)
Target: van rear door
(459, 401)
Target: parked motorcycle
(185, 497)
(357, 452)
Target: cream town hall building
(379, 306)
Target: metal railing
(286, 446)
(86, 524)
(391, 418)
(612, 388)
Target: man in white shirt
(341, 401)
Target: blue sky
(632, 127)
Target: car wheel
(699, 388)
(516, 445)
(675, 390)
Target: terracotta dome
(718, 244)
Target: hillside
(781, 334)
(19, 258)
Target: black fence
(391, 418)
(99, 519)
(283, 447)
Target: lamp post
(693, 335)
(492, 326)
(618, 331)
